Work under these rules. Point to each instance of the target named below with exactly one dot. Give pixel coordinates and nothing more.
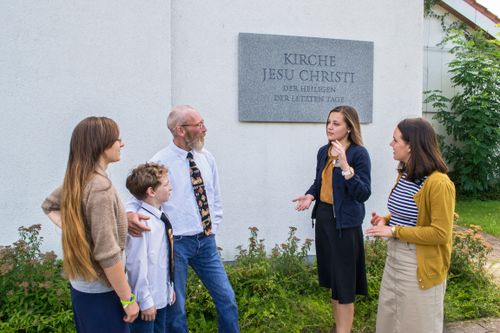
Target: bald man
(195, 211)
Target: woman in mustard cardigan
(419, 228)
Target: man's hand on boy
(149, 314)
(135, 225)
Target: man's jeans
(200, 252)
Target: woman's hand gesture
(303, 202)
(339, 150)
(377, 219)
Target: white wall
(133, 60)
(61, 61)
(264, 165)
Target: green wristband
(130, 301)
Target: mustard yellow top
(326, 192)
(433, 233)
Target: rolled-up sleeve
(53, 201)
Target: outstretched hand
(303, 202)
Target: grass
(483, 213)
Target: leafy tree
(473, 123)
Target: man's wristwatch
(393, 231)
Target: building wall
(436, 59)
(435, 62)
(63, 61)
(132, 61)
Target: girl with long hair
(341, 187)
(419, 227)
(94, 230)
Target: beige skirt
(403, 307)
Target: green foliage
(275, 293)
(473, 125)
(34, 297)
(466, 300)
(428, 4)
(280, 292)
(470, 291)
(483, 213)
(470, 252)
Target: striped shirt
(402, 204)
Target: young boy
(150, 256)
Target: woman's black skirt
(340, 256)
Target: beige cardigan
(105, 220)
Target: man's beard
(195, 142)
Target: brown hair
(352, 120)
(425, 156)
(143, 177)
(90, 138)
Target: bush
(470, 292)
(470, 252)
(280, 292)
(474, 120)
(275, 293)
(34, 297)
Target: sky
(492, 5)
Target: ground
(494, 257)
(487, 325)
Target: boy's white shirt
(147, 263)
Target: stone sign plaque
(300, 79)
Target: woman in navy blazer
(341, 187)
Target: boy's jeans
(155, 326)
(200, 252)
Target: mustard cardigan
(433, 233)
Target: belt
(198, 236)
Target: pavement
(484, 325)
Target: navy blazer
(348, 195)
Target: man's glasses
(200, 125)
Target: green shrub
(473, 124)
(470, 291)
(34, 297)
(275, 293)
(469, 255)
